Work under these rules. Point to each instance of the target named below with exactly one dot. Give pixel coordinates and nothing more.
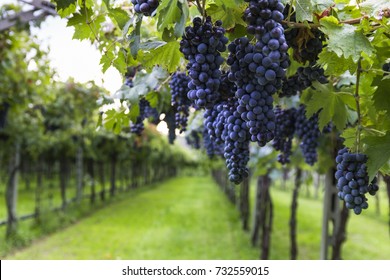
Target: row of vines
(300, 84)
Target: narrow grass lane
(183, 218)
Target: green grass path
(183, 218)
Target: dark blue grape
(179, 100)
(146, 7)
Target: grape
(386, 67)
(146, 7)
(308, 132)
(284, 133)
(201, 45)
(180, 102)
(352, 180)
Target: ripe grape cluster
(146, 7)
(386, 67)
(171, 124)
(308, 132)
(145, 111)
(193, 139)
(180, 102)
(236, 139)
(302, 80)
(306, 43)
(202, 44)
(284, 133)
(352, 180)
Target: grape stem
(357, 100)
(316, 25)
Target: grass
(185, 218)
(190, 218)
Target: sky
(73, 58)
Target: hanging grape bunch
(180, 102)
(146, 7)
(201, 45)
(352, 180)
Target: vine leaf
(230, 16)
(167, 56)
(119, 16)
(330, 104)
(304, 10)
(353, 42)
(335, 65)
(378, 152)
(374, 7)
(381, 95)
(65, 7)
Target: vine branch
(357, 100)
(316, 25)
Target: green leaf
(85, 28)
(353, 42)
(335, 65)
(374, 7)
(378, 152)
(65, 7)
(120, 16)
(167, 56)
(120, 62)
(181, 24)
(135, 37)
(382, 94)
(304, 10)
(106, 61)
(331, 105)
(349, 136)
(153, 98)
(230, 16)
(169, 14)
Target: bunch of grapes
(236, 139)
(152, 114)
(145, 111)
(308, 132)
(171, 124)
(284, 133)
(352, 180)
(211, 147)
(193, 139)
(306, 43)
(180, 102)
(386, 67)
(146, 7)
(302, 80)
(202, 44)
(255, 86)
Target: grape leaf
(374, 7)
(167, 56)
(120, 61)
(378, 152)
(349, 136)
(381, 95)
(106, 60)
(169, 14)
(353, 42)
(304, 10)
(119, 16)
(230, 16)
(335, 65)
(331, 105)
